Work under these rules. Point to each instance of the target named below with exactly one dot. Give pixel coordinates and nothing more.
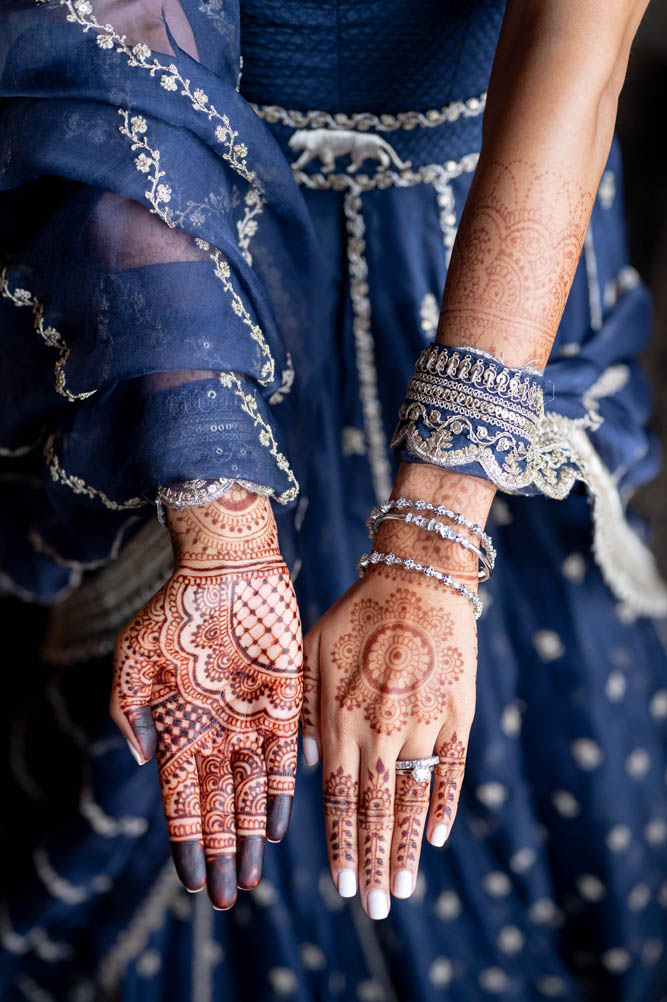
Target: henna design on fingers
(280, 757)
(250, 788)
(341, 799)
(449, 776)
(375, 824)
(410, 810)
(395, 663)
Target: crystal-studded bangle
(464, 409)
(419, 505)
(392, 560)
(194, 493)
(445, 532)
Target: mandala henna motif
(449, 776)
(341, 796)
(217, 655)
(395, 663)
(376, 823)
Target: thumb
(310, 713)
(130, 699)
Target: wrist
(471, 496)
(235, 530)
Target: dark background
(643, 135)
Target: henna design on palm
(213, 664)
(395, 663)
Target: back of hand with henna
(208, 675)
(390, 677)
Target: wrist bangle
(392, 560)
(445, 532)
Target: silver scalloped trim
(195, 493)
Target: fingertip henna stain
(279, 812)
(190, 863)
(221, 880)
(249, 861)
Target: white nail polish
(439, 835)
(377, 905)
(311, 752)
(403, 884)
(347, 883)
(135, 754)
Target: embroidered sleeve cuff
(467, 411)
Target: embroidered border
(79, 485)
(363, 121)
(266, 437)
(49, 335)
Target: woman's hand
(208, 673)
(390, 674)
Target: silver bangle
(420, 505)
(445, 532)
(391, 560)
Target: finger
(375, 824)
(340, 787)
(137, 658)
(447, 785)
(250, 797)
(310, 713)
(216, 786)
(410, 809)
(280, 758)
(180, 799)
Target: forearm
(548, 127)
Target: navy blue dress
(217, 276)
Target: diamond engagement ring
(421, 768)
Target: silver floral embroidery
(365, 120)
(79, 485)
(51, 337)
(147, 162)
(235, 153)
(266, 437)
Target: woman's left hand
(390, 674)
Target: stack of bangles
(405, 510)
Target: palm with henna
(209, 676)
(390, 674)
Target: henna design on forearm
(217, 656)
(376, 819)
(395, 663)
(341, 797)
(513, 261)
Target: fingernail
(311, 751)
(347, 883)
(403, 884)
(377, 905)
(439, 835)
(135, 754)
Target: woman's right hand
(209, 675)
